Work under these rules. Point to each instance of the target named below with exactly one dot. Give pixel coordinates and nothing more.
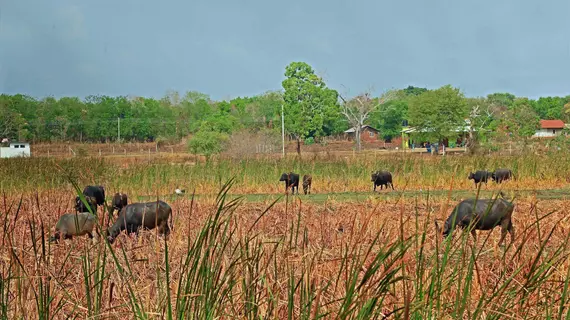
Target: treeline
(311, 111)
(97, 118)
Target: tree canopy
(308, 104)
(437, 114)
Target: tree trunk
(299, 146)
(358, 145)
(471, 144)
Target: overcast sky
(241, 47)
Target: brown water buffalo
(307, 182)
(74, 224)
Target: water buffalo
(98, 192)
(147, 215)
(484, 214)
(501, 175)
(68, 226)
(382, 178)
(307, 182)
(480, 176)
(119, 201)
(291, 181)
(81, 207)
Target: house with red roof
(549, 128)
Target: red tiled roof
(551, 124)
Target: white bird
(178, 191)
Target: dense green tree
(308, 103)
(437, 114)
(521, 121)
(501, 99)
(208, 143)
(549, 107)
(389, 118)
(413, 91)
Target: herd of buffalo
(480, 214)
(131, 217)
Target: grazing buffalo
(147, 215)
(68, 226)
(382, 178)
(501, 175)
(480, 176)
(98, 192)
(307, 182)
(119, 201)
(483, 214)
(81, 207)
(291, 181)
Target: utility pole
(119, 129)
(283, 130)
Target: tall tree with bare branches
(358, 109)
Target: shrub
(208, 143)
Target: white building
(15, 149)
(549, 128)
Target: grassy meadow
(241, 248)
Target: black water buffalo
(501, 175)
(68, 226)
(291, 181)
(483, 214)
(120, 200)
(307, 182)
(98, 192)
(81, 207)
(480, 176)
(147, 215)
(382, 178)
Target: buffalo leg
(164, 229)
(392, 185)
(503, 235)
(511, 231)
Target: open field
(342, 252)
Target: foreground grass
(374, 259)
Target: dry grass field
(342, 253)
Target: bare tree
(481, 114)
(358, 109)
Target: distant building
(367, 133)
(15, 149)
(549, 128)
